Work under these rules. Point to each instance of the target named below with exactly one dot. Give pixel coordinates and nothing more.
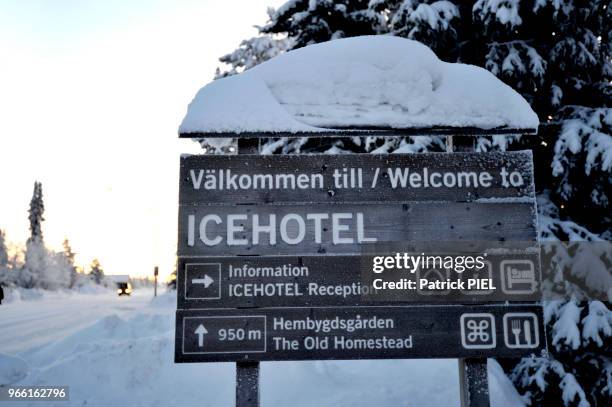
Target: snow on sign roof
(369, 82)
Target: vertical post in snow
(247, 384)
(247, 373)
(155, 274)
(473, 380)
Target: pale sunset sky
(91, 96)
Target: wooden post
(473, 379)
(473, 382)
(247, 373)
(247, 384)
(155, 274)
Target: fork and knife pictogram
(516, 331)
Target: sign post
(155, 274)
(247, 373)
(292, 258)
(473, 377)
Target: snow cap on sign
(361, 82)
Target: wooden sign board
(267, 229)
(266, 205)
(323, 212)
(347, 280)
(355, 178)
(358, 333)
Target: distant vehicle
(124, 287)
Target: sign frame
(473, 375)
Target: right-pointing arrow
(201, 331)
(207, 281)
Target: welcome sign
(274, 248)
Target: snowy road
(28, 324)
(119, 351)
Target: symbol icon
(521, 330)
(432, 275)
(202, 281)
(201, 331)
(485, 273)
(518, 276)
(478, 331)
(207, 281)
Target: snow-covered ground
(119, 351)
(25, 324)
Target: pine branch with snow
(577, 369)
(252, 52)
(582, 158)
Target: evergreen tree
(3, 251)
(252, 52)
(69, 256)
(37, 209)
(57, 273)
(172, 282)
(36, 253)
(5, 272)
(557, 54)
(96, 272)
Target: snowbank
(369, 82)
(501, 389)
(12, 369)
(127, 359)
(165, 300)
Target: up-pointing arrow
(201, 331)
(207, 281)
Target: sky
(91, 96)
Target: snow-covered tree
(578, 372)
(312, 21)
(252, 52)
(3, 251)
(36, 211)
(57, 272)
(69, 256)
(172, 282)
(142, 282)
(36, 253)
(6, 275)
(96, 272)
(557, 54)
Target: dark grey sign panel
(345, 228)
(279, 281)
(458, 177)
(358, 333)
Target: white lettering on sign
(242, 229)
(224, 179)
(353, 178)
(326, 325)
(300, 228)
(425, 178)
